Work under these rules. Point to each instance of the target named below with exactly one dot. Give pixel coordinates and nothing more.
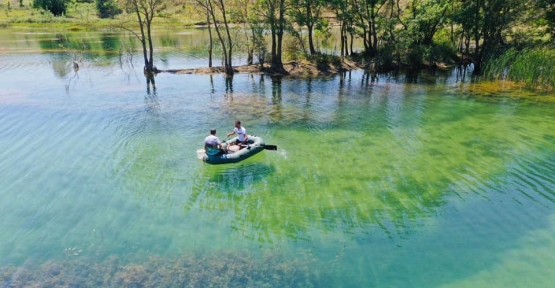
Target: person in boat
(213, 145)
(241, 132)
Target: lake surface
(396, 180)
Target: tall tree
(308, 13)
(225, 40)
(366, 13)
(205, 4)
(345, 18)
(487, 22)
(273, 13)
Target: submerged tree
(225, 40)
(145, 11)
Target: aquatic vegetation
(223, 269)
(535, 68)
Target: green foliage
(443, 52)
(548, 8)
(324, 61)
(387, 58)
(293, 47)
(107, 8)
(416, 55)
(425, 18)
(56, 7)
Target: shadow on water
(240, 177)
(226, 183)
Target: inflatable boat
(236, 153)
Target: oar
(270, 147)
(265, 146)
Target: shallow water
(395, 181)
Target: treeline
(393, 33)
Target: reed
(533, 67)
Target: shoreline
(293, 68)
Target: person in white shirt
(212, 144)
(242, 136)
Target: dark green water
(401, 181)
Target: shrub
(56, 7)
(107, 8)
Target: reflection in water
(228, 84)
(149, 76)
(75, 76)
(276, 111)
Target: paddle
(265, 146)
(270, 147)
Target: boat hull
(254, 146)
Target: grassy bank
(533, 67)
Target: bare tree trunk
(277, 63)
(211, 42)
(228, 64)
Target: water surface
(396, 180)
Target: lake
(389, 180)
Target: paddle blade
(270, 147)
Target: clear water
(399, 181)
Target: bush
(56, 7)
(107, 8)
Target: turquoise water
(399, 181)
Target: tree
(487, 21)
(345, 18)
(273, 12)
(366, 12)
(308, 13)
(206, 8)
(225, 40)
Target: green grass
(83, 16)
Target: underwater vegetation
(223, 269)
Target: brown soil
(293, 69)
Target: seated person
(212, 144)
(242, 137)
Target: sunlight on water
(395, 181)
(530, 264)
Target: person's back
(212, 144)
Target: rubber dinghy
(254, 146)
